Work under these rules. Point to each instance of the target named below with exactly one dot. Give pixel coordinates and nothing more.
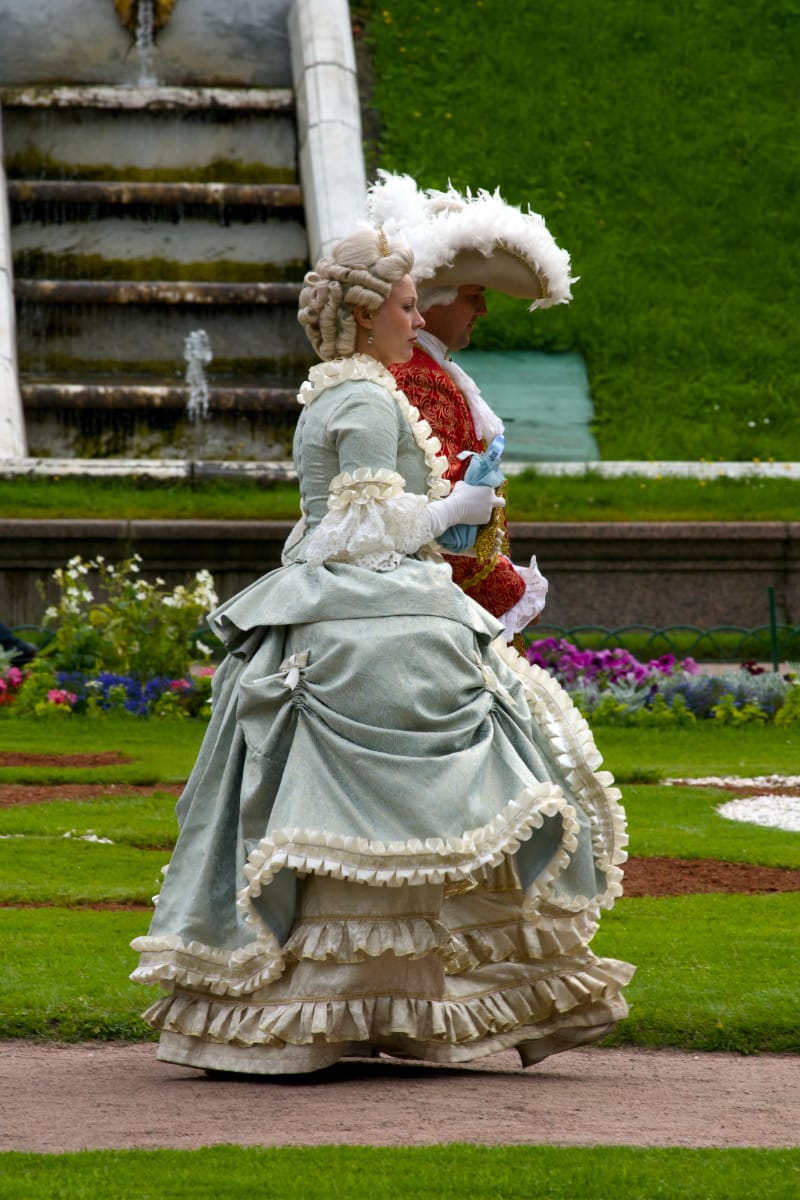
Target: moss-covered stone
(32, 164)
(38, 264)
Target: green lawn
(713, 972)
(80, 992)
(706, 749)
(143, 821)
(440, 1172)
(683, 822)
(532, 497)
(160, 753)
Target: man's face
(452, 323)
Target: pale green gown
(395, 837)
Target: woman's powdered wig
(359, 273)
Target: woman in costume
(395, 838)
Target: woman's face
(394, 326)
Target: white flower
(203, 648)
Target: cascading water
(145, 44)
(197, 353)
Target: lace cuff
(371, 521)
(531, 602)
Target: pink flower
(61, 696)
(204, 672)
(179, 685)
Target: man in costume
(464, 244)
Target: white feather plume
(438, 225)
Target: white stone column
(12, 418)
(328, 120)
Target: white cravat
(487, 423)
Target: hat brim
(502, 270)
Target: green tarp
(542, 398)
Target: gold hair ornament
(383, 243)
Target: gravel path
(104, 1096)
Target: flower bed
(612, 687)
(128, 649)
(135, 649)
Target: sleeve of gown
(372, 520)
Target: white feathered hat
(478, 239)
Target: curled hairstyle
(358, 273)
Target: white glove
(467, 504)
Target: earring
(370, 340)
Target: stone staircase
(139, 216)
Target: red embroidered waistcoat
(430, 389)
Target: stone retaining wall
(704, 574)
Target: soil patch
(105, 758)
(689, 876)
(46, 793)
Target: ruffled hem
(573, 745)
(354, 939)
(435, 860)
(521, 941)
(171, 962)
(363, 1018)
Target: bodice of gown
(355, 425)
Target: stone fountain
(182, 179)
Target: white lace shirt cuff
(530, 604)
(371, 521)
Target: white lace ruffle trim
(360, 1018)
(530, 934)
(167, 960)
(532, 602)
(571, 741)
(371, 521)
(393, 864)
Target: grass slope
(657, 140)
